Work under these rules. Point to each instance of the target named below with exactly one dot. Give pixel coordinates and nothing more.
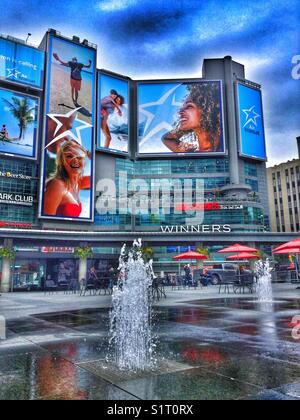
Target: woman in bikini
(62, 194)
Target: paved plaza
(210, 346)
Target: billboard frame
(129, 81)
(36, 145)
(238, 119)
(52, 35)
(140, 155)
(27, 85)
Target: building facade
(284, 196)
(235, 192)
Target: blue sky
(170, 38)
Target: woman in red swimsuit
(64, 186)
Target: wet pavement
(216, 347)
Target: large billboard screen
(21, 64)
(19, 116)
(180, 118)
(113, 113)
(68, 167)
(251, 122)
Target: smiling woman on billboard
(63, 187)
(198, 126)
(180, 117)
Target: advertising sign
(180, 118)
(251, 122)
(19, 116)
(68, 167)
(17, 199)
(113, 113)
(21, 64)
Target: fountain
(131, 339)
(263, 271)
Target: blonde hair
(60, 172)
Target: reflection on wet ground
(208, 349)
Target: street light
(28, 36)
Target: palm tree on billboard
(23, 113)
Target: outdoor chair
(226, 285)
(73, 287)
(158, 290)
(244, 283)
(50, 287)
(88, 287)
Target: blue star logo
(13, 73)
(251, 116)
(158, 114)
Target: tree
(148, 253)
(23, 113)
(203, 251)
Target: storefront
(34, 265)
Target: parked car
(218, 273)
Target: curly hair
(206, 95)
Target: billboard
(251, 122)
(180, 118)
(113, 113)
(21, 64)
(68, 166)
(19, 115)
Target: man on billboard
(198, 127)
(76, 77)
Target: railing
(285, 276)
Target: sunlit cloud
(114, 5)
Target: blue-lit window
(253, 184)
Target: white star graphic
(151, 117)
(13, 73)
(70, 133)
(251, 116)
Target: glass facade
(214, 173)
(250, 169)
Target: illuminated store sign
(18, 199)
(16, 225)
(58, 250)
(15, 176)
(196, 229)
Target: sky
(170, 38)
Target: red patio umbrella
(191, 255)
(288, 251)
(237, 248)
(242, 256)
(295, 243)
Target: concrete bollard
(2, 328)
